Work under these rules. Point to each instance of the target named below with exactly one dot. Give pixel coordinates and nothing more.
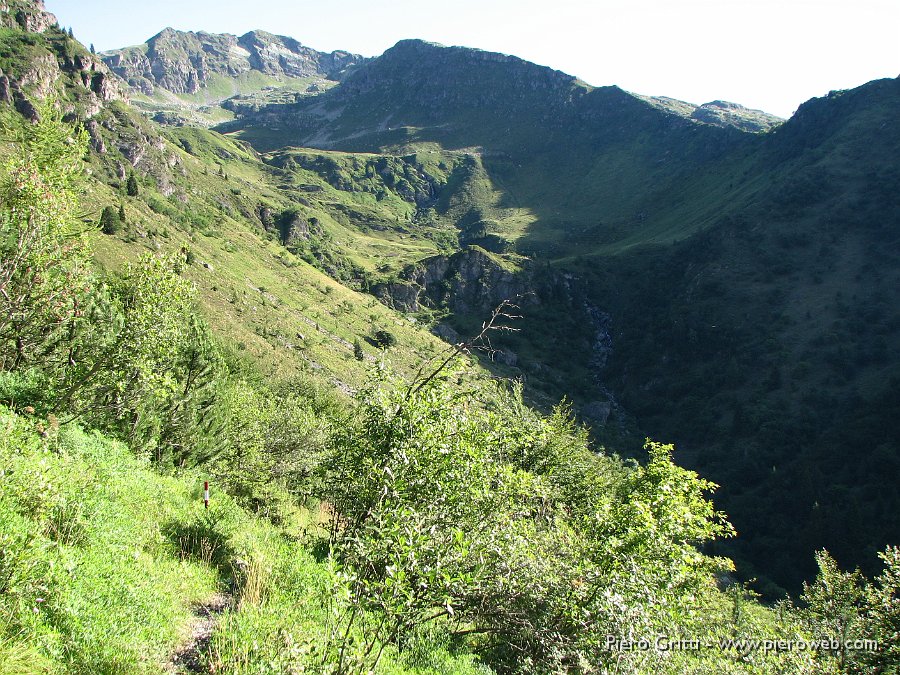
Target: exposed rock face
(293, 229)
(40, 75)
(402, 296)
(446, 333)
(718, 114)
(5, 89)
(26, 108)
(725, 114)
(51, 63)
(278, 55)
(27, 15)
(96, 139)
(184, 62)
(464, 281)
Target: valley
(331, 227)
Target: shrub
(110, 223)
(384, 339)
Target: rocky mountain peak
(184, 62)
(728, 114)
(717, 113)
(432, 76)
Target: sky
(769, 55)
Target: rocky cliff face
(27, 15)
(184, 62)
(42, 59)
(466, 281)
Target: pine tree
(358, 352)
(121, 212)
(109, 220)
(93, 51)
(131, 187)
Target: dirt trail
(188, 657)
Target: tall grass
(89, 582)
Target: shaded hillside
(767, 345)
(732, 291)
(743, 284)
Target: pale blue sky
(768, 54)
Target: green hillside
(732, 290)
(435, 524)
(258, 306)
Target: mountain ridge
(730, 290)
(182, 61)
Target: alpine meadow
(438, 362)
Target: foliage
(883, 616)
(476, 518)
(833, 609)
(45, 270)
(110, 220)
(274, 438)
(157, 380)
(384, 339)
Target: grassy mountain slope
(257, 293)
(748, 278)
(105, 563)
(690, 276)
(595, 163)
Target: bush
(44, 258)
(384, 339)
(496, 522)
(110, 223)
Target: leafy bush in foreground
(503, 527)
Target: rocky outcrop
(717, 113)
(183, 62)
(463, 282)
(404, 296)
(5, 89)
(39, 75)
(726, 114)
(279, 55)
(59, 64)
(293, 228)
(28, 15)
(473, 280)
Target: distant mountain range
(184, 62)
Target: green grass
(102, 560)
(91, 582)
(269, 303)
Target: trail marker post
(206, 494)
